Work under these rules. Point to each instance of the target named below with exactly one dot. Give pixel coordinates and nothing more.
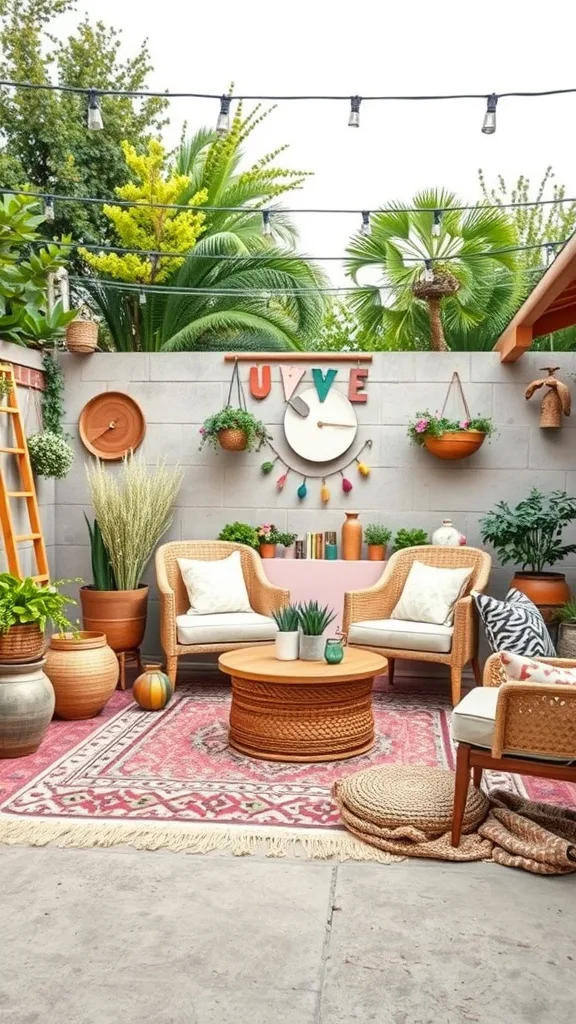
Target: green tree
(341, 331)
(471, 284)
(45, 142)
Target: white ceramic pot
(447, 536)
(312, 648)
(286, 646)
(289, 552)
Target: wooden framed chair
(507, 726)
(183, 634)
(368, 622)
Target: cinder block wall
(407, 488)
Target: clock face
(326, 432)
(111, 425)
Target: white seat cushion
(225, 628)
(473, 722)
(399, 634)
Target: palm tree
(455, 279)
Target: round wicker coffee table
(301, 710)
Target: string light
(365, 228)
(95, 122)
(49, 212)
(354, 119)
(142, 297)
(223, 122)
(489, 125)
(266, 225)
(436, 224)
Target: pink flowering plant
(427, 424)
(268, 534)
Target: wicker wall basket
(455, 444)
(232, 439)
(567, 640)
(21, 644)
(82, 337)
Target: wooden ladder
(27, 491)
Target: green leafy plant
(268, 534)
(50, 454)
(235, 419)
(409, 539)
(24, 602)
(5, 385)
(52, 398)
(240, 533)
(102, 574)
(376, 534)
(314, 619)
(287, 539)
(567, 613)
(530, 535)
(427, 424)
(287, 618)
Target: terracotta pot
(82, 336)
(352, 537)
(22, 644)
(267, 550)
(455, 444)
(84, 672)
(548, 590)
(232, 439)
(376, 552)
(26, 708)
(119, 614)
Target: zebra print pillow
(514, 625)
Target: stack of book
(317, 545)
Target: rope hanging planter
(447, 439)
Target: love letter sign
(260, 382)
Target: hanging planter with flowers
(234, 428)
(450, 438)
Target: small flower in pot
(376, 537)
(236, 430)
(268, 538)
(287, 637)
(449, 439)
(287, 541)
(314, 620)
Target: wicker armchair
(174, 601)
(367, 621)
(508, 726)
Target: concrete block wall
(408, 487)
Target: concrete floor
(124, 937)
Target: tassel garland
(324, 493)
(346, 485)
(267, 467)
(363, 469)
(281, 481)
(302, 490)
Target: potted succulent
(449, 439)
(566, 616)
(133, 510)
(26, 608)
(236, 430)
(313, 621)
(376, 537)
(268, 538)
(287, 541)
(409, 539)
(240, 533)
(287, 637)
(530, 536)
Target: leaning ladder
(27, 490)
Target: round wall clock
(112, 424)
(320, 431)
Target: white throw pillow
(215, 587)
(430, 593)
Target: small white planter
(286, 646)
(312, 648)
(290, 551)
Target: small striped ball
(153, 689)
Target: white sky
(364, 46)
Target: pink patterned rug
(169, 779)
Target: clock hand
(299, 406)
(109, 426)
(322, 423)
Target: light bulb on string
(49, 212)
(354, 119)
(365, 227)
(95, 122)
(142, 297)
(489, 124)
(550, 253)
(428, 270)
(223, 122)
(266, 225)
(436, 224)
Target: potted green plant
(287, 541)
(566, 616)
(376, 537)
(287, 637)
(313, 620)
(236, 430)
(268, 538)
(133, 510)
(449, 439)
(530, 536)
(409, 539)
(50, 454)
(26, 608)
(240, 533)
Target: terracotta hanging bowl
(455, 444)
(233, 439)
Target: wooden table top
(259, 663)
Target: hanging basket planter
(234, 428)
(82, 337)
(232, 439)
(449, 438)
(455, 444)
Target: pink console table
(315, 579)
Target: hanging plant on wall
(234, 428)
(450, 438)
(51, 454)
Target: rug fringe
(239, 842)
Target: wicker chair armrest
(465, 637)
(265, 597)
(535, 718)
(495, 674)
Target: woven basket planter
(455, 444)
(82, 336)
(21, 644)
(84, 671)
(232, 439)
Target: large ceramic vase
(22, 644)
(548, 590)
(84, 672)
(119, 614)
(352, 537)
(26, 708)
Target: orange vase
(352, 537)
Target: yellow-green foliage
(148, 228)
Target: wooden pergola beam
(514, 343)
(555, 320)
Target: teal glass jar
(331, 552)
(334, 651)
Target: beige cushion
(473, 722)
(215, 586)
(404, 636)
(430, 593)
(225, 628)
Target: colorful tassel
(346, 485)
(324, 493)
(267, 467)
(363, 469)
(281, 481)
(302, 490)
